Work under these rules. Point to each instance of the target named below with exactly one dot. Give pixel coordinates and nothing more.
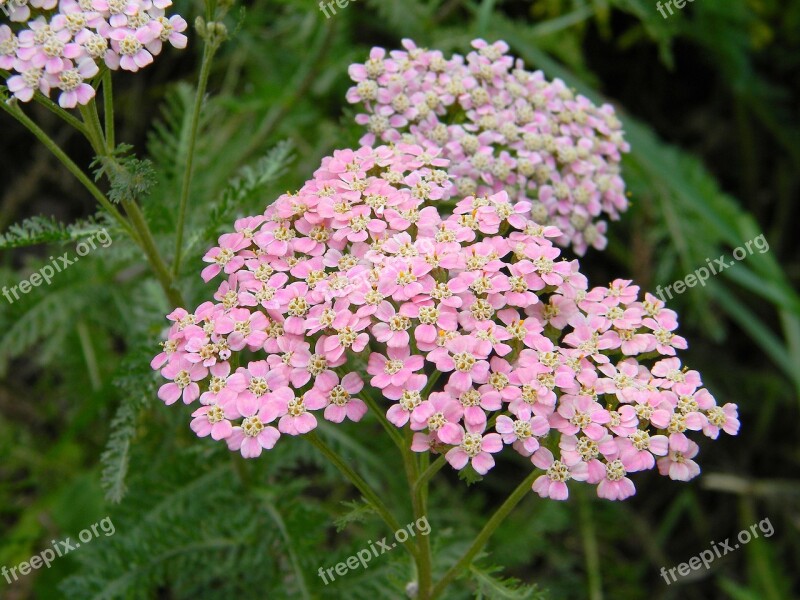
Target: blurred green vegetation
(709, 101)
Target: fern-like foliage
(492, 586)
(131, 178)
(357, 513)
(115, 457)
(168, 140)
(47, 230)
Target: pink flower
(553, 484)
(184, 375)
(392, 327)
(212, 420)
(349, 335)
(725, 418)
(253, 435)
(297, 419)
(225, 255)
(338, 397)
(291, 359)
(409, 399)
(171, 31)
(461, 356)
(244, 328)
(679, 464)
(293, 299)
(580, 413)
(364, 262)
(394, 369)
(253, 386)
(476, 449)
(440, 414)
(522, 433)
(615, 485)
(71, 82)
(30, 80)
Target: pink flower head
(464, 315)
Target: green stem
(61, 113)
(137, 228)
(53, 107)
(205, 69)
(92, 122)
(491, 525)
(434, 468)
(393, 432)
(89, 355)
(148, 244)
(108, 109)
(590, 547)
(365, 489)
(16, 112)
(418, 503)
(144, 237)
(287, 540)
(432, 379)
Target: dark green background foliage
(709, 100)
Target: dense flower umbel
(503, 129)
(479, 336)
(62, 46)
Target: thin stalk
(491, 525)
(53, 107)
(108, 110)
(423, 560)
(148, 244)
(432, 379)
(365, 489)
(92, 122)
(590, 550)
(61, 113)
(48, 142)
(89, 355)
(202, 83)
(137, 228)
(426, 475)
(287, 540)
(396, 436)
(144, 237)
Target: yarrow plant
(416, 279)
(503, 129)
(480, 337)
(62, 44)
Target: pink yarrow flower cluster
(478, 335)
(63, 47)
(503, 129)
